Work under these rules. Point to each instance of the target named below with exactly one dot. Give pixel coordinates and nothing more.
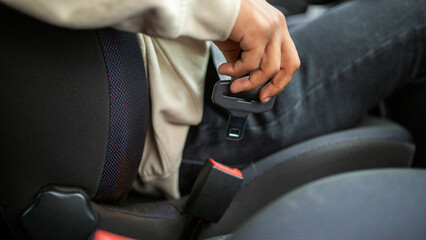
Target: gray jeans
(357, 54)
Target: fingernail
(266, 99)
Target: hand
(268, 51)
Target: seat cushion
(374, 204)
(375, 143)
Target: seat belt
(217, 184)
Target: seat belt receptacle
(213, 191)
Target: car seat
(370, 204)
(74, 113)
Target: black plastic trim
(59, 214)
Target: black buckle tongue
(238, 106)
(236, 125)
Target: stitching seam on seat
(322, 147)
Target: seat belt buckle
(239, 107)
(213, 191)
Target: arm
(199, 19)
(253, 26)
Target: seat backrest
(74, 111)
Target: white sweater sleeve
(199, 19)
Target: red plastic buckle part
(213, 191)
(104, 235)
(233, 171)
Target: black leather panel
(4, 228)
(54, 108)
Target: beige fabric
(175, 68)
(199, 19)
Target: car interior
(74, 115)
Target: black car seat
(370, 204)
(74, 112)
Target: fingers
(230, 49)
(257, 25)
(290, 63)
(268, 51)
(269, 66)
(249, 61)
